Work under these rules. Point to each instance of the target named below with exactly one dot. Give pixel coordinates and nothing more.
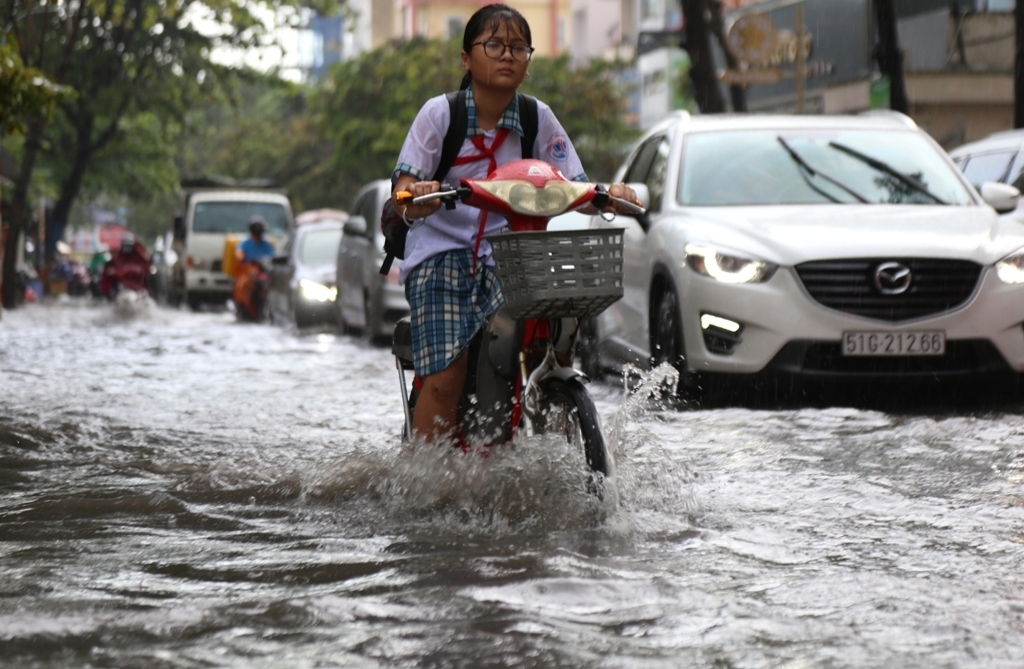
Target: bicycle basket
(553, 274)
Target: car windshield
(234, 217)
(320, 247)
(765, 167)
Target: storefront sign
(830, 46)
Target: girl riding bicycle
(449, 278)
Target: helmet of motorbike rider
(257, 226)
(127, 243)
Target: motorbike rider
(251, 254)
(255, 247)
(449, 278)
(128, 268)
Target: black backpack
(391, 223)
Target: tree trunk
(84, 149)
(19, 209)
(706, 90)
(1018, 67)
(888, 54)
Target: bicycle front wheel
(570, 412)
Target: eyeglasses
(495, 49)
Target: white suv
(814, 247)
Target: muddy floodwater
(180, 490)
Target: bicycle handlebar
(405, 197)
(452, 194)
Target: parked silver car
(998, 157)
(301, 285)
(368, 302)
(838, 248)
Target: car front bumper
(784, 329)
(209, 284)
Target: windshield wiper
(813, 172)
(886, 168)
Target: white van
(210, 215)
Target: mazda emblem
(892, 278)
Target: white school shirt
(456, 229)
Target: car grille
(848, 285)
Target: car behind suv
(301, 290)
(368, 302)
(818, 247)
(998, 157)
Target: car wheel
(587, 349)
(193, 301)
(667, 346)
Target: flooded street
(179, 490)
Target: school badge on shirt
(558, 147)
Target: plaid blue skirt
(449, 306)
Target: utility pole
(706, 90)
(888, 54)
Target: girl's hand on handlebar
(623, 192)
(409, 184)
(622, 200)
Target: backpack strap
(457, 125)
(528, 119)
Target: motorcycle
(250, 291)
(521, 377)
(124, 275)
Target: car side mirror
(1001, 197)
(179, 227)
(355, 225)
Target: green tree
(366, 105)
(590, 103)
(266, 131)
(25, 93)
(126, 58)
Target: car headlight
(317, 292)
(1011, 268)
(726, 267)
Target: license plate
(907, 342)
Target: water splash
(654, 477)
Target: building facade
(550, 20)
(958, 61)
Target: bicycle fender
(565, 374)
